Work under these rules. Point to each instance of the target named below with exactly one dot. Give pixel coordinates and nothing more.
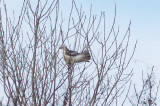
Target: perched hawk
(74, 57)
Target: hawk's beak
(60, 47)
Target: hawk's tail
(87, 55)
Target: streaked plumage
(74, 57)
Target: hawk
(72, 57)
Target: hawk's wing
(72, 53)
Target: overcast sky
(145, 17)
(145, 28)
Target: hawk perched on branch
(74, 57)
